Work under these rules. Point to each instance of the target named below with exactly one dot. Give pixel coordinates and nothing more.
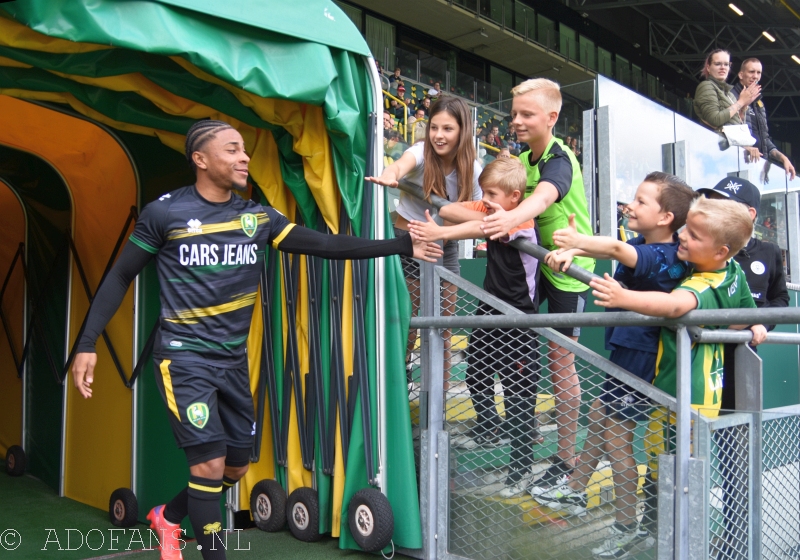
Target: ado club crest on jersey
(249, 224)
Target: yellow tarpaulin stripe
(306, 124)
(265, 468)
(14, 34)
(170, 139)
(11, 63)
(347, 344)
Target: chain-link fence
(524, 457)
(754, 484)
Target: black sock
(206, 517)
(178, 507)
(227, 483)
(650, 514)
(629, 528)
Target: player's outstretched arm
(306, 241)
(106, 302)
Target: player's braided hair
(200, 133)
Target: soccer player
(209, 247)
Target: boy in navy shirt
(648, 262)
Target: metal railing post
(748, 377)
(432, 383)
(683, 441)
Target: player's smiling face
(225, 160)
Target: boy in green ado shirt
(715, 231)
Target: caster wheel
(371, 520)
(268, 506)
(302, 514)
(123, 508)
(16, 461)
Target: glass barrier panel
(587, 53)
(705, 163)
(522, 15)
(464, 85)
(508, 14)
(567, 44)
(767, 176)
(604, 65)
(546, 33)
(492, 9)
(639, 129)
(622, 71)
(407, 61)
(471, 5)
(484, 92)
(771, 221)
(432, 69)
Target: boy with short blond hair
(715, 231)
(512, 276)
(554, 191)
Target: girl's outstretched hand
(608, 292)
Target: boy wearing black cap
(762, 264)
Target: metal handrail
(768, 316)
(532, 249)
(405, 113)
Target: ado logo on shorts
(197, 413)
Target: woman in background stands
(713, 101)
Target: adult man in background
(750, 73)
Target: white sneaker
(557, 474)
(516, 490)
(622, 544)
(564, 499)
(539, 486)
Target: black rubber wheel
(268, 506)
(302, 514)
(123, 508)
(16, 461)
(371, 520)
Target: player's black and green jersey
(209, 258)
(721, 289)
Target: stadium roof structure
(682, 32)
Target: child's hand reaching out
(608, 292)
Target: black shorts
(560, 301)
(206, 403)
(622, 401)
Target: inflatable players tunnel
(95, 100)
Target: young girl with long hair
(443, 164)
